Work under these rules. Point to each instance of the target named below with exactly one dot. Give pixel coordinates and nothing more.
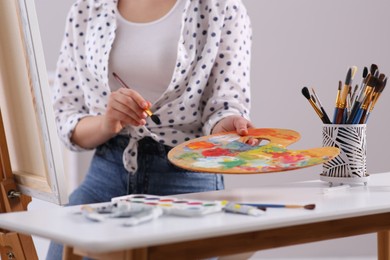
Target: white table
(359, 210)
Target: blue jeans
(107, 177)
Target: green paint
(190, 156)
(232, 164)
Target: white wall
(312, 43)
(295, 43)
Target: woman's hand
(125, 107)
(235, 123)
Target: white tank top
(144, 54)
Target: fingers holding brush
(123, 107)
(139, 99)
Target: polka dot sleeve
(67, 94)
(228, 90)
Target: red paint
(288, 157)
(217, 152)
(195, 203)
(200, 145)
(166, 200)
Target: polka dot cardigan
(210, 81)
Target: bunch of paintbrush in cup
(353, 106)
(366, 96)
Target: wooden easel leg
(17, 246)
(383, 245)
(12, 244)
(68, 254)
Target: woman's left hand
(235, 123)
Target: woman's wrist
(108, 129)
(92, 131)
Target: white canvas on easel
(33, 145)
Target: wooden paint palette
(228, 153)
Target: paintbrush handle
(260, 205)
(363, 117)
(291, 206)
(325, 118)
(339, 115)
(358, 116)
(318, 111)
(335, 115)
(367, 116)
(354, 111)
(294, 206)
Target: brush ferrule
(148, 112)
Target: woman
(190, 59)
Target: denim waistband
(145, 145)
(150, 146)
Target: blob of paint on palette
(229, 153)
(174, 206)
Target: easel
(12, 244)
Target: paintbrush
(351, 103)
(349, 95)
(326, 118)
(377, 93)
(342, 104)
(306, 94)
(337, 100)
(359, 96)
(353, 72)
(362, 84)
(291, 206)
(371, 84)
(154, 117)
(352, 99)
(373, 69)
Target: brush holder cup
(350, 166)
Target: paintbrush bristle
(382, 85)
(310, 206)
(373, 81)
(373, 69)
(155, 119)
(348, 78)
(306, 93)
(152, 116)
(354, 69)
(365, 72)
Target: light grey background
(295, 43)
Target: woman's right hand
(125, 107)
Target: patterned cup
(351, 139)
